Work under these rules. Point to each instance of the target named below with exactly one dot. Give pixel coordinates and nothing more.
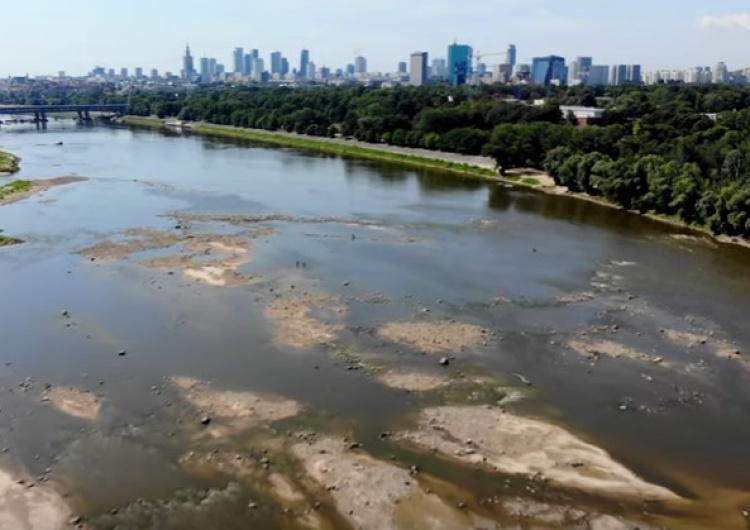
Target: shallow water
(430, 241)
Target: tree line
(676, 150)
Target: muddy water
(382, 244)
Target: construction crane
(479, 56)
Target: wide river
(185, 263)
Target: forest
(681, 151)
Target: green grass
(8, 162)
(17, 186)
(143, 121)
(345, 150)
(6, 241)
(530, 181)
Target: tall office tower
(633, 74)
(276, 63)
(311, 70)
(459, 63)
(438, 68)
(258, 69)
(239, 61)
(247, 64)
(510, 55)
(418, 70)
(124, 73)
(579, 70)
(138, 72)
(402, 67)
(304, 62)
(188, 66)
(212, 66)
(618, 74)
(598, 75)
(284, 67)
(721, 73)
(350, 69)
(154, 73)
(205, 69)
(360, 65)
(549, 70)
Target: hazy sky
(44, 36)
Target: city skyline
(655, 36)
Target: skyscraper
(247, 64)
(510, 55)
(212, 66)
(360, 65)
(276, 63)
(188, 66)
(124, 73)
(548, 70)
(402, 67)
(284, 67)
(239, 61)
(138, 72)
(618, 74)
(350, 69)
(304, 61)
(258, 68)
(418, 70)
(721, 74)
(579, 70)
(459, 63)
(438, 68)
(311, 70)
(633, 74)
(598, 75)
(205, 70)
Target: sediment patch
(512, 444)
(74, 402)
(39, 186)
(614, 350)
(370, 493)
(294, 325)
(435, 337)
(30, 508)
(225, 411)
(413, 381)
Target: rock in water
(205, 420)
(445, 361)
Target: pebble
(444, 361)
(347, 284)
(75, 520)
(122, 353)
(205, 420)
(65, 313)
(252, 505)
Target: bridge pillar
(80, 116)
(37, 120)
(44, 119)
(88, 115)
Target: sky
(41, 37)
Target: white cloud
(729, 21)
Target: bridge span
(40, 111)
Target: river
(633, 334)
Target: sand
(413, 381)
(24, 508)
(231, 411)
(77, 403)
(371, 494)
(516, 445)
(435, 337)
(614, 350)
(294, 325)
(39, 186)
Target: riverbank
(468, 166)
(9, 164)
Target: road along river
(205, 334)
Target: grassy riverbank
(9, 163)
(17, 186)
(143, 121)
(340, 148)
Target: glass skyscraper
(459, 63)
(545, 70)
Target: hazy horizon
(48, 35)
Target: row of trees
(682, 151)
(673, 149)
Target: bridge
(40, 111)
